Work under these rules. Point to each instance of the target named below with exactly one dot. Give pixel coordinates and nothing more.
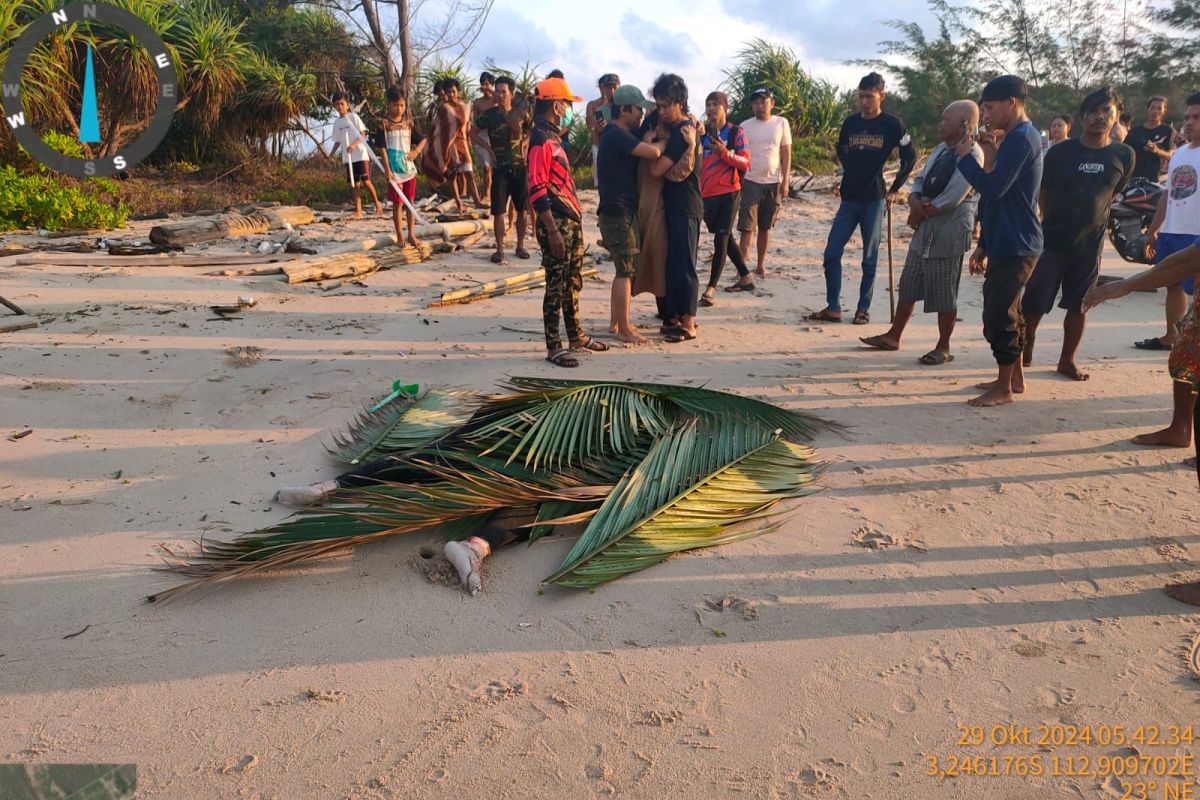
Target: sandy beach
(961, 567)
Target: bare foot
(1072, 371)
(467, 558)
(613, 328)
(1017, 387)
(412, 242)
(356, 215)
(993, 397)
(379, 211)
(1167, 437)
(761, 272)
(629, 336)
(301, 496)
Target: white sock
(301, 496)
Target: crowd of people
(1031, 208)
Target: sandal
(563, 358)
(935, 358)
(590, 344)
(497, 257)
(676, 335)
(862, 317)
(522, 253)
(706, 299)
(1153, 343)
(877, 342)
(740, 287)
(825, 315)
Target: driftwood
(484, 288)
(16, 309)
(442, 230)
(351, 264)
(241, 273)
(537, 281)
(20, 326)
(172, 260)
(190, 231)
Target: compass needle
(89, 117)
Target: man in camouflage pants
(559, 230)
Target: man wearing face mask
(559, 231)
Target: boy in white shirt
(349, 134)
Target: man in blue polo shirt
(1011, 237)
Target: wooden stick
(16, 309)
(484, 288)
(20, 326)
(175, 260)
(891, 271)
(529, 285)
(240, 273)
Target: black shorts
(719, 212)
(362, 172)
(1075, 274)
(509, 183)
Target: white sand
(1023, 584)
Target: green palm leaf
(456, 503)
(404, 425)
(697, 483)
(695, 401)
(557, 426)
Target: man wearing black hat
(1011, 237)
(865, 143)
(599, 111)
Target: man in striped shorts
(942, 212)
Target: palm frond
(403, 425)
(457, 501)
(556, 427)
(696, 401)
(695, 486)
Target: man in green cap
(617, 182)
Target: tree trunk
(371, 12)
(207, 229)
(406, 57)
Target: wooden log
(190, 231)
(16, 309)
(526, 286)
(471, 240)
(174, 260)
(20, 326)
(350, 264)
(241, 273)
(443, 230)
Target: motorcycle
(1131, 213)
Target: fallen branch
(190, 231)
(20, 326)
(16, 309)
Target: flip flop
(706, 301)
(1153, 343)
(825, 315)
(677, 335)
(497, 258)
(590, 344)
(522, 252)
(563, 358)
(862, 317)
(877, 342)
(936, 358)
(740, 287)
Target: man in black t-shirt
(680, 165)
(617, 181)
(1079, 178)
(866, 142)
(506, 129)
(1151, 141)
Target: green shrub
(815, 153)
(39, 201)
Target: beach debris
(524, 282)
(19, 435)
(244, 355)
(247, 763)
(79, 632)
(321, 268)
(19, 326)
(652, 469)
(16, 309)
(207, 229)
(242, 304)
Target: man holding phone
(599, 111)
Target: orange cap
(556, 89)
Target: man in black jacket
(864, 146)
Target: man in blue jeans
(866, 142)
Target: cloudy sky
(695, 38)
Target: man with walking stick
(941, 211)
(866, 142)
